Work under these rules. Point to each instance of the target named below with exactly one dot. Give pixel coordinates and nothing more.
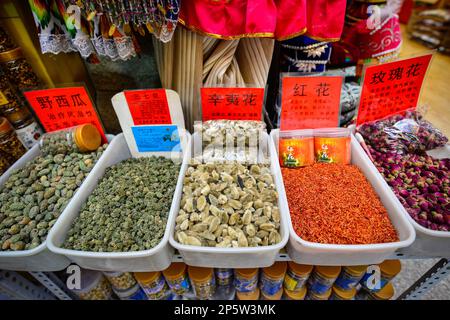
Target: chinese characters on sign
(61, 108)
(310, 102)
(232, 103)
(391, 88)
(148, 106)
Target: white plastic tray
(39, 258)
(306, 252)
(251, 257)
(429, 243)
(155, 259)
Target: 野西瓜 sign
(61, 108)
(310, 102)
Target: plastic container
(272, 278)
(276, 296)
(299, 294)
(296, 276)
(40, 258)
(203, 282)
(81, 138)
(306, 252)
(248, 257)
(388, 270)
(120, 281)
(296, 148)
(224, 276)
(252, 295)
(350, 277)
(177, 278)
(384, 294)
(332, 145)
(9, 142)
(323, 278)
(27, 129)
(94, 286)
(134, 293)
(18, 69)
(339, 294)
(315, 296)
(153, 285)
(246, 280)
(158, 258)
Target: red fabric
(281, 19)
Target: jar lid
(296, 295)
(276, 296)
(253, 295)
(386, 293)
(5, 126)
(344, 294)
(356, 270)
(200, 274)
(323, 296)
(247, 272)
(146, 277)
(175, 270)
(328, 271)
(390, 267)
(18, 115)
(10, 55)
(277, 270)
(300, 268)
(87, 137)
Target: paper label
(3, 99)
(391, 88)
(232, 103)
(310, 102)
(29, 135)
(157, 138)
(62, 108)
(148, 106)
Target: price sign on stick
(157, 138)
(391, 88)
(62, 108)
(232, 103)
(148, 106)
(310, 102)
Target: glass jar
(27, 129)
(94, 286)
(295, 295)
(203, 282)
(6, 42)
(350, 277)
(153, 284)
(177, 279)
(81, 138)
(246, 279)
(338, 293)
(18, 70)
(389, 269)
(8, 95)
(134, 293)
(120, 280)
(271, 282)
(9, 142)
(322, 279)
(296, 276)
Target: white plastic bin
(155, 259)
(429, 243)
(306, 252)
(250, 257)
(39, 258)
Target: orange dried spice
(335, 204)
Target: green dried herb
(128, 210)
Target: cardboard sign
(156, 138)
(62, 108)
(232, 103)
(310, 102)
(148, 106)
(391, 88)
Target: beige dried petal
(276, 214)
(250, 230)
(181, 218)
(222, 199)
(199, 227)
(265, 241)
(195, 217)
(193, 241)
(255, 169)
(189, 206)
(262, 234)
(233, 219)
(215, 211)
(201, 203)
(235, 244)
(235, 204)
(226, 177)
(184, 225)
(214, 224)
(258, 204)
(267, 226)
(274, 237)
(182, 237)
(232, 233)
(247, 217)
(225, 218)
(213, 200)
(242, 240)
(205, 190)
(268, 211)
(208, 236)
